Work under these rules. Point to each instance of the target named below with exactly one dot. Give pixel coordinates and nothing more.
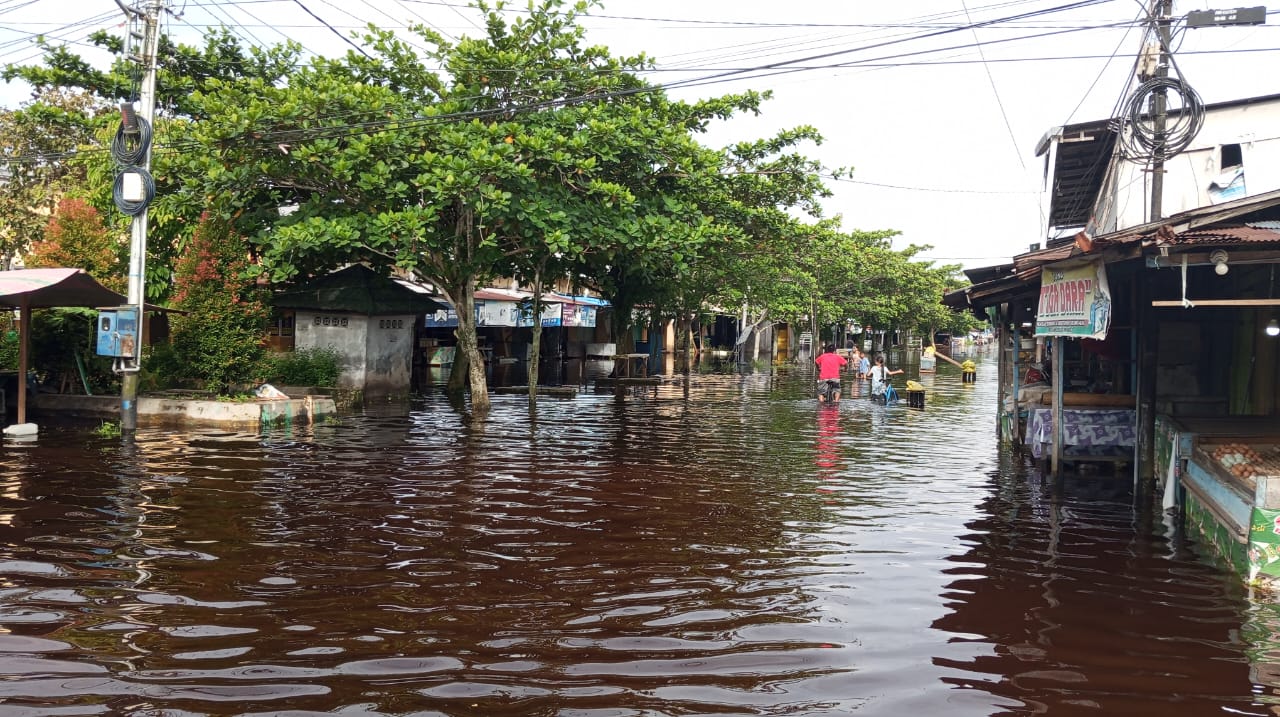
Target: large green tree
(493, 154)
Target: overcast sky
(938, 119)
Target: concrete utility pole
(138, 237)
(1162, 11)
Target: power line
(238, 7)
(939, 190)
(991, 78)
(326, 24)
(437, 28)
(1105, 65)
(252, 40)
(785, 64)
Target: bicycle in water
(829, 364)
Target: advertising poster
(1074, 301)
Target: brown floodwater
(731, 549)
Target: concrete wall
(344, 332)
(167, 411)
(388, 355)
(377, 351)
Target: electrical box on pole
(118, 332)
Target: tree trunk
(620, 328)
(686, 330)
(458, 371)
(535, 347)
(469, 346)
(655, 338)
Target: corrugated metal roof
(357, 289)
(1043, 256)
(1227, 235)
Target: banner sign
(550, 315)
(577, 315)
(497, 313)
(1074, 301)
(442, 318)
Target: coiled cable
(1143, 142)
(130, 207)
(130, 148)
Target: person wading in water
(829, 365)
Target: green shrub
(304, 367)
(218, 342)
(9, 350)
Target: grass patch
(107, 429)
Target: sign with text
(578, 315)
(1074, 301)
(442, 318)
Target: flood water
(729, 550)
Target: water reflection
(721, 546)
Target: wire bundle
(1143, 142)
(129, 149)
(130, 207)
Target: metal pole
(138, 236)
(1163, 10)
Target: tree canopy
(525, 151)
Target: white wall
(389, 355)
(344, 332)
(1256, 128)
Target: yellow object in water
(915, 386)
(969, 366)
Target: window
(1230, 156)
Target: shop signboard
(1264, 544)
(550, 315)
(497, 313)
(443, 318)
(1074, 301)
(578, 315)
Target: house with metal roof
(1154, 344)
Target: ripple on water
(732, 550)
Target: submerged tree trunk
(458, 371)
(468, 345)
(535, 347)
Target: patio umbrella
(28, 289)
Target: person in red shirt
(829, 365)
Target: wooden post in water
(1147, 329)
(1059, 381)
(24, 355)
